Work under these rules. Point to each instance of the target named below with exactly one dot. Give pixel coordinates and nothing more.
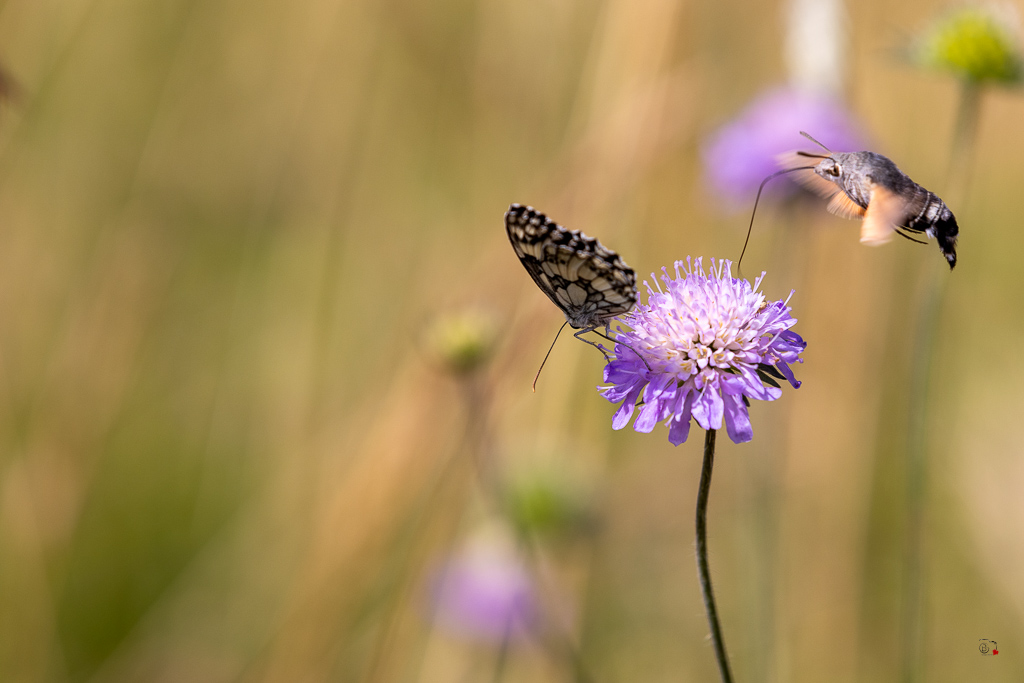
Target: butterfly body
(870, 186)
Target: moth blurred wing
(842, 205)
(806, 176)
(885, 212)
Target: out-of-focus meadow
(231, 452)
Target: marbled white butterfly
(589, 282)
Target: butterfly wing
(530, 233)
(594, 277)
(587, 281)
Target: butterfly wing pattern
(590, 283)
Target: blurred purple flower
(484, 593)
(712, 342)
(743, 152)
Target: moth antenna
(739, 263)
(537, 376)
(808, 136)
(813, 156)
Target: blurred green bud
(546, 502)
(463, 341)
(976, 44)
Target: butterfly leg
(596, 346)
(608, 331)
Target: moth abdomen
(945, 231)
(935, 220)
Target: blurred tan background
(229, 452)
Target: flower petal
(679, 425)
(737, 420)
(784, 368)
(625, 411)
(647, 418)
(707, 408)
(620, 371)
(715, 410)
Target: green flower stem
(931, 297)
(703, 570)
(915, 496)
(962, 148)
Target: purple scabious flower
(711, 342)
(744, 152)
(484, 593)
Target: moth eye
(834, 170)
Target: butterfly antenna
(808, 136)
(537, 376)
(739, 263)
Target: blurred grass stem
(556, 638)
(419, 547)
(931, 294)
(703, 570)
(500, 660)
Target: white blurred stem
(815, 48)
